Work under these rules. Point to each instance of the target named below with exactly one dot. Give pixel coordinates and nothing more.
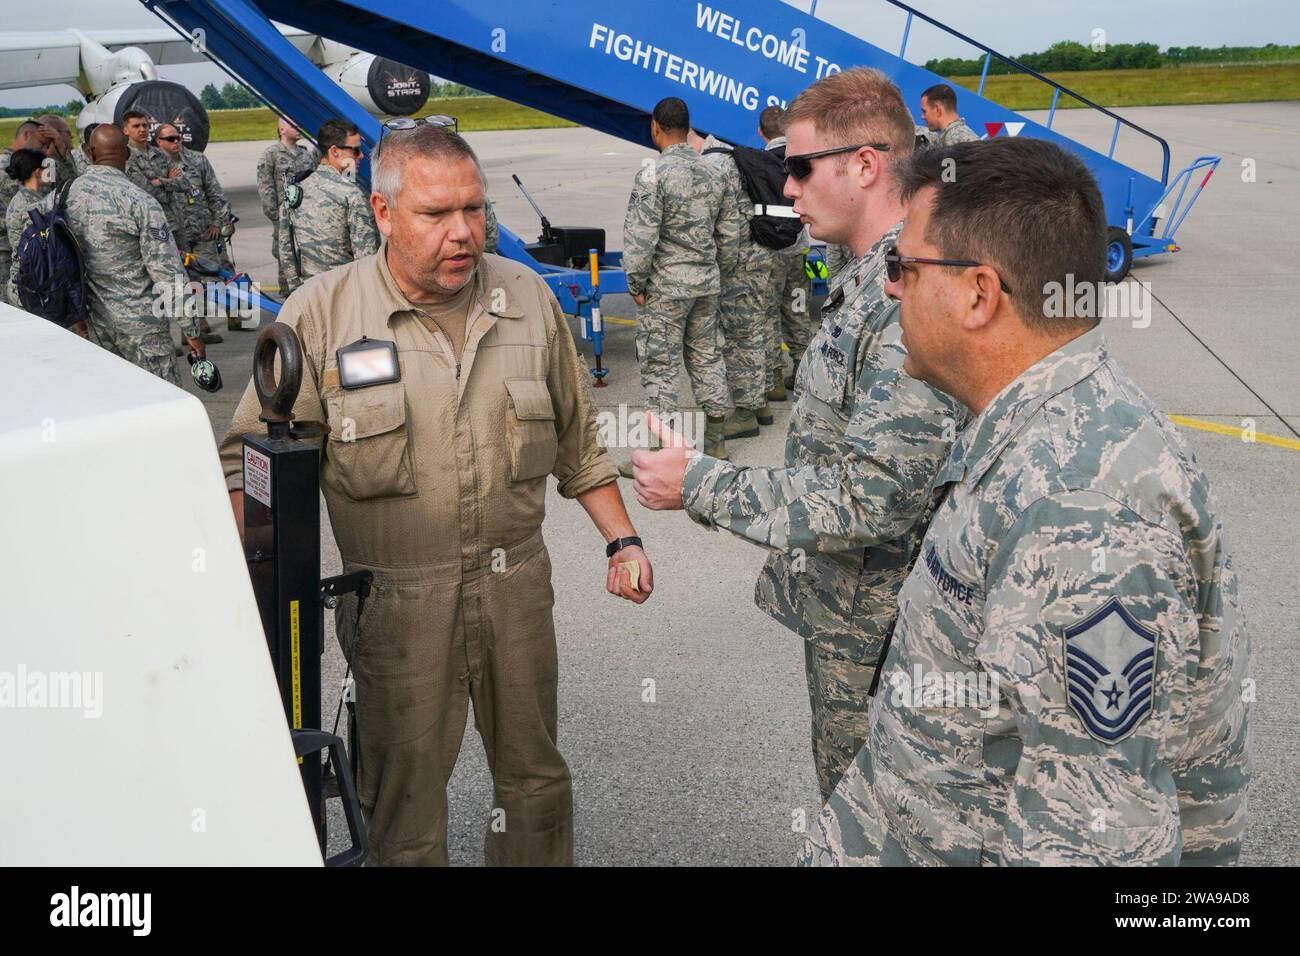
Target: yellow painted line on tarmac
(1236, 431)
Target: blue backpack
(51, 280)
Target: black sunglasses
(354, 150)
(169, 139)
(894, 265)
(800, 166)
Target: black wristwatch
(618, 544)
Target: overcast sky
(1009, 26)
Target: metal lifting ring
(277, 397)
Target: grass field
(1186, 85)
(1167, 87)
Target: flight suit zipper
(441, 337)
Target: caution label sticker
(257, 475)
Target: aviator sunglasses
(402, 123)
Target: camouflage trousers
(670, 331)
(748, 310)
(143, 342)
(283, 279)
(797, 323)
(837, 695)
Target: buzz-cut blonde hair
(858, 105)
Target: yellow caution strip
(295, 657)
(1235, 431)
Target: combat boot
(777, 394)
(764, 415)
(742, 423)
(715, 443)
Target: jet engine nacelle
(162, 101)
(383, 87)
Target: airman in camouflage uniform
(672, 240)
(162, 178)
(943, 125)
(278, 165)
(133, 269)
(1076, 561)
(17, 220)
(748, 304)
(845, 515)
(332, 226)
(27, 137)
(1068, 678)
(205, 207)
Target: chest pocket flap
(826, 369)
(375, 410)
(369, 445)
(531, 429)
(531, 398)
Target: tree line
(1067, 56)
(68, 109)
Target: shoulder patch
(161, 233)
(1110, 669)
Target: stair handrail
(989, 51)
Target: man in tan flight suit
(437, 483)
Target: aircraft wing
(166, 47)
(38, 59)
(51, 58)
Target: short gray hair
(427, 141)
